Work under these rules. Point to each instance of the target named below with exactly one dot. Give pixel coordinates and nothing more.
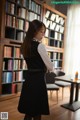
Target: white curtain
(72, 41)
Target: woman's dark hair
(34, 27)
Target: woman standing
(34, 99)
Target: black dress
(34, 99)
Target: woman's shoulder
(41, 45)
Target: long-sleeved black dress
(34, 99)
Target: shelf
(18, 15)
(8, 96)
(54, 49)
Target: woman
(34, 99)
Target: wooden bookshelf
(55, 33)
(15, 17)
(11, 69)
(18, 15)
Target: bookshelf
(13, 65)
(54, 37)
(15, 17)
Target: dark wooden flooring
(56, 111)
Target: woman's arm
(43, 53)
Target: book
(14, 88)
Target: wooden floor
(56, 111)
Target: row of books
(57, 64)
(53, 26)
(8, 52)
(11, 65)
(54, 34)
(18, 13)
(54, 17)
(29, 4)
(10, 7)
(16, 52)
(11, 88)
(17, 76)
(55, 55)
(33, 16)
(10, 21)
(24, 3)
(20, 36)
(8, 64)
(16, 34)
(18, 23)
(16, 88)
(22, 12)
(17, 65)
(52, 42)
(11, 52)
(23, 25)
(9, 77)
(34, 7)
(55, 43)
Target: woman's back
(35, 61)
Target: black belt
(35, 70)
(31, 70)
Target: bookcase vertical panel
(1, 62)
(2, 20)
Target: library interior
(61, 41)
